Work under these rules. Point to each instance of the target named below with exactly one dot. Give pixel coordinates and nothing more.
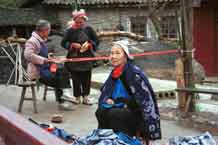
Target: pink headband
(79, 14)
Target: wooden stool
(45, 93)
(24, 86)
(47, 88)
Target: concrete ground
(81, 121)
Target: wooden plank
(16, 130)
(209, 81)
(212, 130)
(197, 90)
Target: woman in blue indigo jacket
(127, 103)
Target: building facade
(128, 15)
(205, 35)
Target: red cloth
(117, 71)
(53, 68)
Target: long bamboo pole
(187, 52)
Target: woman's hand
(75, 45)
(85, 47)
(110, 101)
(45, 61)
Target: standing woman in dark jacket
(127, 103)
(81, 41)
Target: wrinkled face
(79, 22)
(117, 56)
(45, 32)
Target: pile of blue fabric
(106, 137)
(202, 139)
(96, 137)
(60, 133)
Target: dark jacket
(141, 91)
(79, 35)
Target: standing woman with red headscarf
(81, 41)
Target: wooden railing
(16, 130)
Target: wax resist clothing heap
(203, 139)
(106, 137)
(59, 132)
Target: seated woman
(127, 103)
(38, 65)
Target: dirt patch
(204, 121)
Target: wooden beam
(121, 34)
(211, 129)
(197, 90)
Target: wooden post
(187, 50)
(180, 83)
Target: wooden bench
(210, 80)
(197, 90)
(16, 130)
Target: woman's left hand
(85, 46)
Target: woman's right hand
(75, 45)
(45, 61)
(110, 101)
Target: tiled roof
(101, 2)
(15, 3)
(10, 17)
